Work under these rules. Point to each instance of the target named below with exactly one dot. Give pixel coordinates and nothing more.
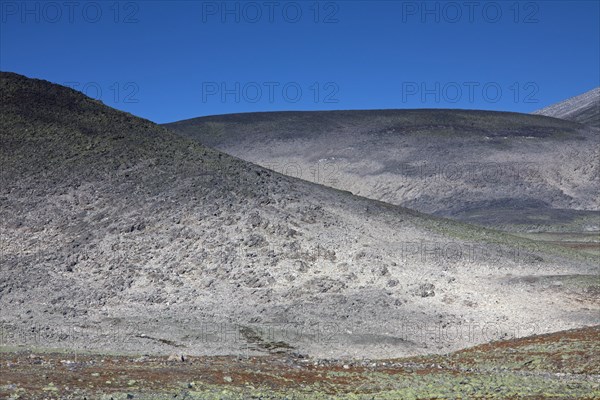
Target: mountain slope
(119, 235)
(584, 108)
(505, 170)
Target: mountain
(119, 235)
(509, 171)
(584, 108)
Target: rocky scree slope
(121, 236)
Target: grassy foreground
(559, 365)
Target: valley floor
(558, 365)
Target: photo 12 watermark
(70, 12)
(463, 331)
(425, 251)
(114, 92)
(324, 172)
(468, 172)
(469, 91)
(268, 332)
(63, 335)
(454, 12)
(253, 12)
(270, 92)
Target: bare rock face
(120, 235)
(425, 290)
(177, 357)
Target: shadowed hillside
(510, 171)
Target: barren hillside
(118, 235)
(510, 171)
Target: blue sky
(167, 61)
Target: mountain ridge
(584, 108)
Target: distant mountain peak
(584, 108)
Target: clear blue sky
(167, 61)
